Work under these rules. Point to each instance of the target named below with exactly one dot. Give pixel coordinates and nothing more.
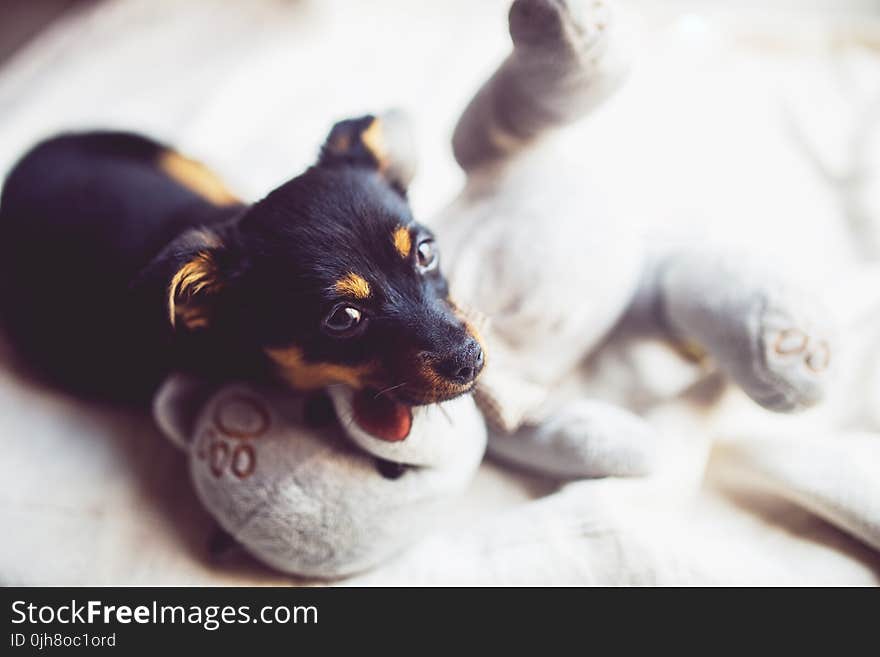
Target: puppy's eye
(427, 255)
(343, 320)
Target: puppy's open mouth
(388, 415)
(381, 415)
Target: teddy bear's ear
(383, 143)
(192, 273)
(176, 407)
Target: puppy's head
(330, 280)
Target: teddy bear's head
(318, 501)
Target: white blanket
(769, 136)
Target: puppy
(122, 260)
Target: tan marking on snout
(302, 375)
(197, 178)
(402, 241)
(353, 285)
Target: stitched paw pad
(794, 358)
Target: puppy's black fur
(121, 260)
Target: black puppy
(121, 260)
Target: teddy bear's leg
(770, 337)
(566, 59)
(582, 438)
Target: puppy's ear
(384, 143)
(192, 273)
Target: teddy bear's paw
(582, 439)
(574, 25)
(793, 358)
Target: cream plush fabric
(738, 116)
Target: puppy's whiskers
(389, 389)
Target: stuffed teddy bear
(573, 292)
(566, 289)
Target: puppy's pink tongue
(383, 418)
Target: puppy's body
(122, 260)
(80, 217)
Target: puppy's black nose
(464, 364)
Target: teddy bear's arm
(582, 438)
(768, 335)
(564, 62)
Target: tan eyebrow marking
(353, 285)
(402, 241)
